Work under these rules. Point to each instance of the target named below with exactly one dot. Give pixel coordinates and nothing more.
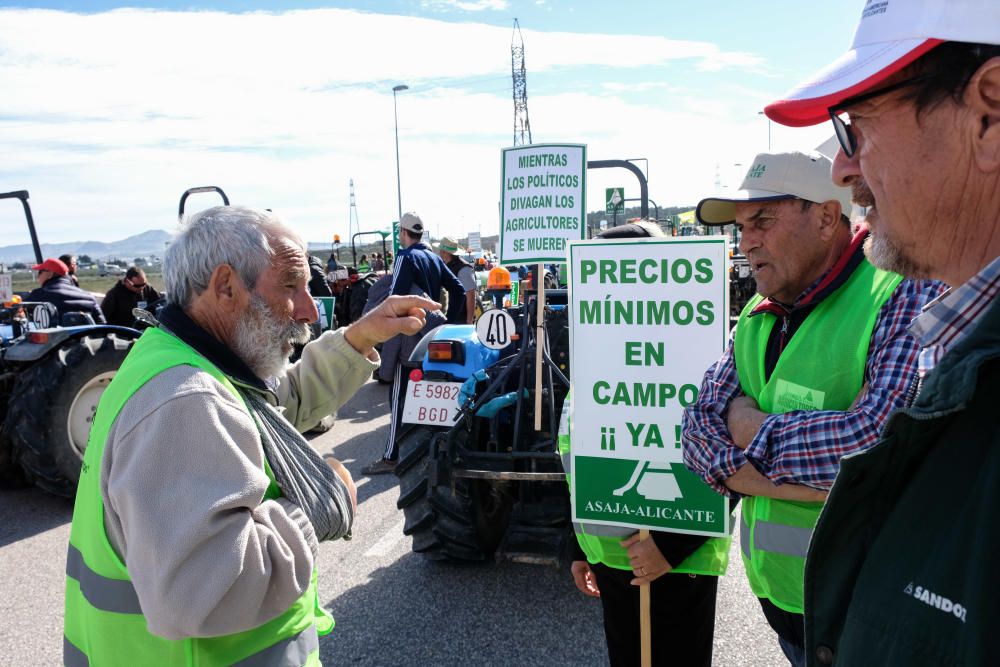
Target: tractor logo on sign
(652, 482)
(615, 197)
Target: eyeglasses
(842, 127)
(134, 284)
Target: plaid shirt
(805, 447)
(946, 320)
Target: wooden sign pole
(539, 343)
(645, 629)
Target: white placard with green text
(542, 202)
(648, 317)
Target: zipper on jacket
(783, 339)
(913, 391)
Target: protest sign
(648, 318)
(542, 202)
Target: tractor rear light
(440, 351)
(416, 375)
(38, 337)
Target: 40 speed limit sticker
(495, 329)
(434, 403)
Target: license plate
(743, 271)
(434, 403)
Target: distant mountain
(151, 242)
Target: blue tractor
(476, 480)
(481, 481)
(53, 371)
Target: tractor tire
(463, 522)
(52, 408)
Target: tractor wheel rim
(83, 409)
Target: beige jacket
(182, 480)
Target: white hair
(241, 237)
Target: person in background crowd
(448, 249)
(132, 291)
(70, 261)
(363, 266)
(902, 566)
(417, 271)
(317, 279)
(817, 361)
(55, 287)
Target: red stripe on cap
(815, 110)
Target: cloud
(108, 117)
(477, 6)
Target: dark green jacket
(904, 564)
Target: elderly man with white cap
(902, 566)
(818, 360)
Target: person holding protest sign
(915, 104)
(611, 562)
(817, 362)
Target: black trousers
(399, 385)
(789, 627)
(682, 614)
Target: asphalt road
(392, 607)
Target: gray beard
(888, 257)
(264, 341)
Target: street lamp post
(395, 117)
(761, 113)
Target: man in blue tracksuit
(416, 270)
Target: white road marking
(388, 541)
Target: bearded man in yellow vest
(817, 362)
(200, 506)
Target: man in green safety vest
(817, 362)
(610, 562)
(200, 507)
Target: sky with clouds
(109, 112)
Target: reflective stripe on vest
(821, 368)
(102, 593)
(775, 537)
(104, 623)
(602, 543)
(72, 656)
(292, 651)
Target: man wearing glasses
(132, 291)
(55, 287)
(818, 361)
(901, 569)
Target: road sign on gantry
(655, 312)
(542, 204)
(614, 199)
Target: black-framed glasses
(842, 128)
(135, 284)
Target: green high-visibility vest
(602, 544)
(822, 368)
(104, 623)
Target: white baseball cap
(890, 36)
(777, 176)
(411, 222)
